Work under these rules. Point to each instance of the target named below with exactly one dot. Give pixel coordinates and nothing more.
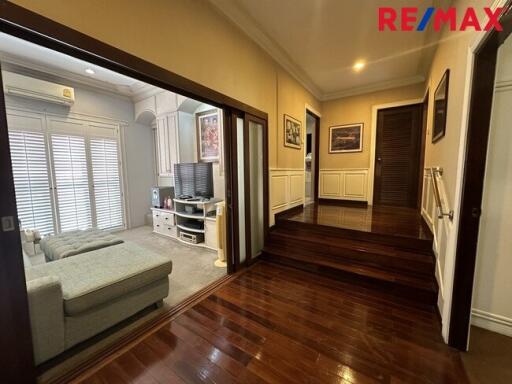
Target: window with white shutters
(107, 183)
(31, 182)
(71, 181)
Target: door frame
(482, 64)
(316, 133)
(27, 25)
(373, 139)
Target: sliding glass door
(250, 207)
(255, 130)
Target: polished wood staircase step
(405, 286)
(397, 240)
(357, 251)
(387, 260)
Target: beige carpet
(192, 269)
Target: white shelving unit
(200, 215)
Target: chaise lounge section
(73, 299)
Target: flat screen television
(193, 179)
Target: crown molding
(135, 92)
(382, 86)
(247, 24)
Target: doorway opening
(481, 313)
(478, 170)
(109, 176)
(311, 160)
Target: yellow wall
(357, 109)
(191, 38)
(452, 53)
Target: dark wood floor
(384, 220)
(273, 324)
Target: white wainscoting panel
(344, 184)
(330, 184)
(441, 228)
(287, 189)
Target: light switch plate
(8, 224)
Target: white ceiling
(24, 54)
(318, 41)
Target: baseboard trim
(106, 355)
(343, 202)
(492, 322)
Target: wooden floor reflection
(273, 324)
(396, 221)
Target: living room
(120, 190)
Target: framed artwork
(292, 132)
(208, 135)
(440, 108)
(346, 138)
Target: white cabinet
(167, 143)
(164, 222)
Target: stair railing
(434, 172)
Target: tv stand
(191, 219)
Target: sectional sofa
(75, 298)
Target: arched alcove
(145, 117)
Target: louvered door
(31, 178)
(71, 182)
(397, 156)
(106, 183)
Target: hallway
(279, 325)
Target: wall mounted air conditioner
(29, 87)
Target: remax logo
(407, 19)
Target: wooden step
(384, 256)
(420, 288)
(305, 230)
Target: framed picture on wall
(440, 108)
(208, 135)
(346, 138)
(292, 132)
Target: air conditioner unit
(29, 87)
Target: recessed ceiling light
(90, 71)
(359, 65)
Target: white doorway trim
(316, 157)
(373, 141)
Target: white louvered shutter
(107, 183)
(31, 182)
(71, 181)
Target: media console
(192, 221)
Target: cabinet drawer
(163, 217)
(164, 229)
(167, 218)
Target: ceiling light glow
(359, 65)
(90, 71)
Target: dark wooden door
(397, 156)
